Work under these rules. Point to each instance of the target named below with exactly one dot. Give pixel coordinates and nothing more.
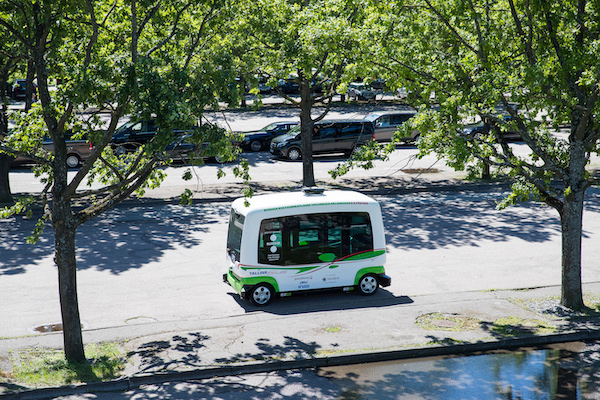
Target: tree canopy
(144, 59)
(530, 67)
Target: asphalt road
(165, 262)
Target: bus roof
(280, 201)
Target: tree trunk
(571, 219)
(63, 220)
(29, 88)
(571, 222)
(6, 197)
(486, 172)
(306, 124)
(64, 257)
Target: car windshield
(269, 127)
(295, 130)
(124, 126)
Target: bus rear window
(313, 238)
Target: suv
(386, 124)
(78, 150)
(133, 134)
(341, 136)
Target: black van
(341, 136)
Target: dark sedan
(261, 139)
(483, 129)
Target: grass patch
(48, 367)
(516, 326)
(447, 322)
(333, 329)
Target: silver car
(386, 123)
(360, 91)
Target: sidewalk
(385, 327)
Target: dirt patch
(447, 322)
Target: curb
(254, 367)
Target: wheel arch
(369, 270)
(249, 283)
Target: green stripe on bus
(365, 255)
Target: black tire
(73, 161)
(255, 145)
(294, 154)
(368, 285)
(261, 294)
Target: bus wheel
(261, 294)
(368, 285)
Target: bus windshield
(234, 235)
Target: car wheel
(255, 145)
(261, 294)
(368, 285)
(294, 154)
(73, 161)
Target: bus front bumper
(384, 280)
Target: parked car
(329, 137)
(379, 85)
(77, 152)
(261, 139)
(360, 91)
(483, 128)
(386, 123)
(19, 90)
(182, 150)
(133, 134)
(262, 85)
(289, 86)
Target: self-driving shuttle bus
(301, 241)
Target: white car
(360, 91)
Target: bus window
(313, 238)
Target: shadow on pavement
(158, 355)
(324, 301)
(120, 240)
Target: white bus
(311, 240)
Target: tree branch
(173, 32)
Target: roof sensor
(312, 190)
